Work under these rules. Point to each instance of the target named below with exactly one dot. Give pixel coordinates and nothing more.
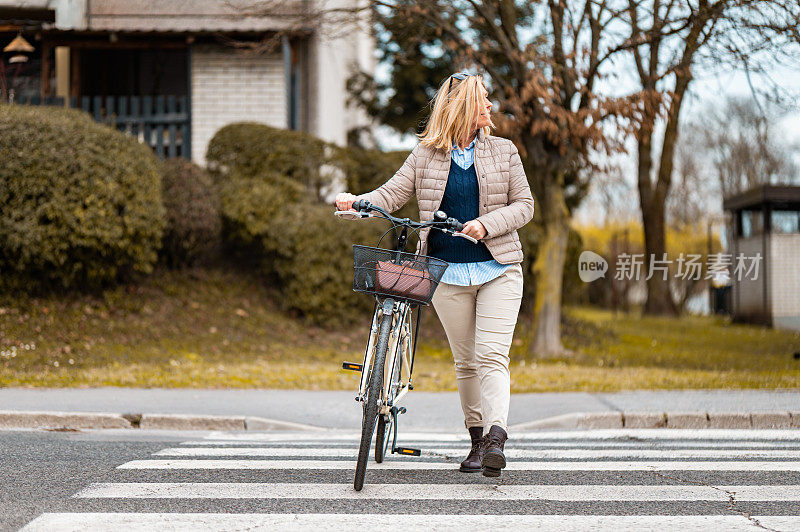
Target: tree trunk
(659, 292)
(548, 270)
(652, 201)
(659, 298)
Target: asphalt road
(620, 479)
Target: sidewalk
(427, 411)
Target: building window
(752, 223)
(785, 221)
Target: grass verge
(222, 329)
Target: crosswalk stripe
(228, 490)
(146, 522)
(599, 434)
(331, 436)
(395, 463)
(513, 453)
(299, 444)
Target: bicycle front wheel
(386, 421)
(372, 400)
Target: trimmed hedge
(313, 259)
(298, 245)
(81, 202)
(192, 209)
(276, 218)
(366, 170)
(253, 150)
(249, 205)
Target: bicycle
(400, 283)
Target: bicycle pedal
(352, 366)
(407, 451)
(401, 410)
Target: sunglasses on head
(460, 76)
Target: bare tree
(328, 18)
(694, 191)
(613, 193)
(670, 38)
(745, 148)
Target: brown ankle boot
(493, 458)
(472, 463)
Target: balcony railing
(162, 122)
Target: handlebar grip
(361, 204)
(455, 224)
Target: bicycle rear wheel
(372, 400)
(382, 436)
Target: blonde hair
(455, 113)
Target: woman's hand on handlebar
(344, 201)
(475, 229)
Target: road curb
(578, 420)
(62, 420)
(669, 420)
(97, 420)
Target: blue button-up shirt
(464, 158)
(470, 273)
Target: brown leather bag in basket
(402, 280)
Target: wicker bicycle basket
(389, 273)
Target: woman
(477, 178)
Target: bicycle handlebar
(442, 223)
(361, 204)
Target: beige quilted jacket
(505, 205)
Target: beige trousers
(479, 321)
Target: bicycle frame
(401, 351)
(401, 347)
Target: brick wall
(229, 88)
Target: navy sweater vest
(460, 201)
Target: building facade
(766, 223)
(175, 72)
